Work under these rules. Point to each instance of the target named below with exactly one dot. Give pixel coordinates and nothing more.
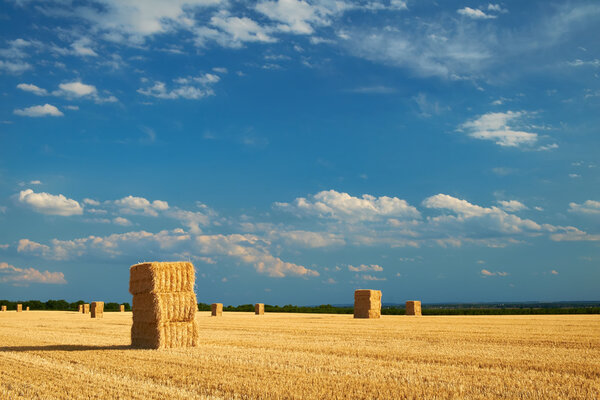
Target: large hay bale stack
(164, 305)
(367, 303)
(413, 307)
(259, 309)
(86, 309)
(3, 308)
(97, 309)
(122, 308)
(216, 309)
(19, 307)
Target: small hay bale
(164, 307)
(3, 308)
(259, 309)
(97, 309)
(27, 308)
(413, 307)
(80, 308)
(216, 309)
(19, 307)
(122, 308)
(161, 277)
(367, 303)
(149, 335)
(86, 309)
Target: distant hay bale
(122, 308)
(164, 305)
(161, 277)
(367, 303)
(259, 309)
(216, 309)
(27, 309)
(19, 307)
(3, 308)
(97, 309)
(86, 309)
(413, 307)
(80, 308)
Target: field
(66, 355)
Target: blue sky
(297, 150)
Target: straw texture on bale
(3, 308)
(19, 307)
(161, 277)
(86, 309)
(122, 308)
(367, 303)
(97, 309)
(259, 309)
(216, 309)
(413, 307)
(164, 305)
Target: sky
(295, 151)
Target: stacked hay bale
(164, 305)
(97, 310)
(367, 303)
(19, 307)
(85, 309)
(80, 308)
(122, 308)
(413, 307)
(259, 309)
(3, 308)
(216, 309)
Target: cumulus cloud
(39, 111)
(368, 277)
(588, 207)
(11, 274)
(78, 89)
(28, 87)
(495, 127)
(294, 16)
(309, 239)
(512, 205)
(364, 268)
(342, 206)
(140, 205)
(190, 88)
(474, 13)
(50, 204)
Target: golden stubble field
(67, 355)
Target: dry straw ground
(67, 355)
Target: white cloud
(140, 205)
(91, 202)
(294, 16)
(554, 272)
(248, 249)
(588, 207)
(121, 221)
(494, 127)
(50, 204)
(14, 67)
(474, 13)
(342, 206)
(368, 277)
(512, 205)
(78, 90)
(581, 63)
(233, 31)
(485, 273)
(10, 273)
(191, 88)
(28, 87)
(82, 47)
(39, 111)
(364, 268)
(309, 239)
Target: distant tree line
(58, 305)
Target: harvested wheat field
(67, 355)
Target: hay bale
(122, 308)
(80, 308)
(149, 335)
(367, 303)
(164, 307)
(161, 277)
(97, 309)
(216, 309)
(413, 307)
(3, 308)
(27, 309)
(259, 309)
(86, 309)
(19, 307)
